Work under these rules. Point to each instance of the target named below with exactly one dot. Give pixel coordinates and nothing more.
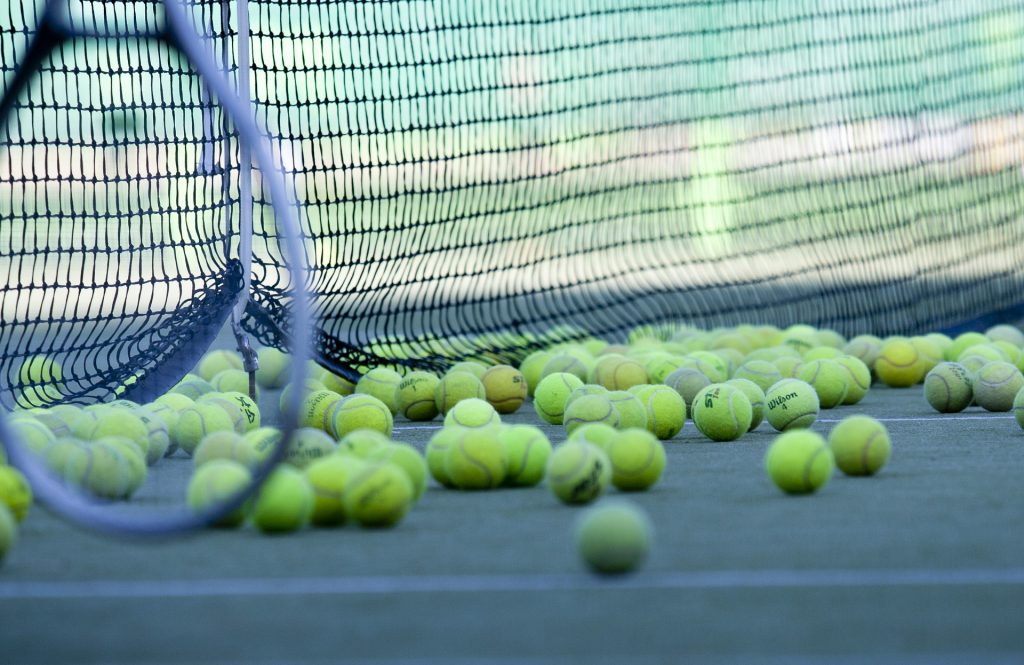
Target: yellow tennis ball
(264, 441)
(197, 421)
(799, 462)
(791, 404)
(710, 365)
(232, 381)
(409, 460)
(52, 422)
(15, 492)
(416, 396)
(250, 410)
(552, 391)
(996, 385)
(860, 445)
(565, 363)
(637, 458)
(40, 378)
(229, 407)
(756, 397)
(316, 409)
(472, 413)
(175, 402)
(531, 369)
(788, 367)
(687, 381)
(229, 445)
(949, 387)
(328, 478)
(476, 459)
(362, 442)
(158, 434)
(32, 434)
(899, 363)
(133, 458)
(821, 353)
(866, 348)
(505, 387)
(829, 380)
(469, 367)
(578, 472)
(1018, 408)
(761, 373)
(100, 470)
(378, 495)
(666, 410)
(858, 378)
(8, 532)
(659, 365)
(114, 422)
(588, 389)
(590, 409)
(215, 362)
(455, 387)
(616, 372)
(527, 449)
(274, 368)
(613, 537)
(437, 452)
(928, 355)
(359, 411)
(334, 382)
(216, 482)
(284, 503)
(310, 386)
(722, 412)
(596, 434)
(962, 342)
(632, 412)
(308, 445)
(381, 383)
(192, 386)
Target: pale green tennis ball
(197, 421)
(334, 382)
(864, 347)
(821, 353)
(159, 434)
(987, 352)
(174, 401)
(57, 456)
(308, 445)
(362, 442)
(274, 368)
(133, 458)
(829, 380)
(616, 372)
(722, 412)
(761, 373)
(1006, 333)
(949, 388)
(469, 367)
(858, 378)
(710, 365)
(597, 434)
(996, 385)
(192, 386)
(264, 441)
(613, 537)
(8, 532)
(101, 470)
(472, 413)
(588, 389)
(229, 445)
(284, 502)
(409, 460)
(531, 369)
(115, 422)
(416, 396)
(637, 458)
(929, 355)
(756, 397)
(578, 472)
(899, 363)
(216, 482)
(360, 411)
(232, 380)
(32, 434)
(860, 445)
(229, 407)
(791, 404)
(215, 362)
(378, 495)
(632, 412)
(476, 459)
(799, 462)
(15, 492)
(527, 449)
(381, 383)
(666, 410)
(590, 409)
(310, 386)
(250, 410)
(687, 382)
(505, 388)
(437, 452)
(565, 363)
(455, 387)
(660, 365)
(549, 398)
(328, 478)
(316, 409)
(788, 367)
(962, 342)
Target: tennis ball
(505, 387)
(596, 434)
(134, 461)
(197, 421)
(761, 372)
(791, 404)
(578, 472)
(264, 441)
(316, 409)
(310, 386)
(469, 367)
(949, 388)
(829, 338)
(637, 458)
(564, 363)
(614, 537)
(115, 422)
(192, 386)
(659, 365)
(334, 382)
(15, 492)
(632, 412)
(8, 532)
(308, 445)
(232, 381)
(40, 378)
(1006, 333)
(159, 434)
(476, 459)
(328, 477)
(53, 423)
(799, 462)
(828, 378)
(229, 407)
(406, 458)
(455, 387)
(284, 502)
(710, 365)
(583, 390)
(57, 456)
(273, 369)
(176, 402)
(527, 449)
(362, 442)
(788, 367)
(101, 470)
(32, 434)
(996, 385)
(821, 353)
(531, 368)
(590, 409)
(472, 413)
(858, 378)
(1012, 353)
(215, 362)
(866, 348)
(549, 398)
(416, 396)
(860, 445)
(381, 383)
(666, 410)
(437, 452)
(616, 372)
(250, 411)
(687, 381)
(378, 495)
(229, 445)
(756, 397)
(986, 352)
(215, 482)
(963, 342)
(360, 411)
(929, 355)
(722, 412)
(1018, 408)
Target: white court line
(465, 584)
(923, 419)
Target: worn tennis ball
(687, 381)
(381, 383)
(949, 388)
(409, 460)
(416, 396)
(505, 387)
(578, 472)
(722, 412)
(597, 434)
(632, 412)
(588, 389)
(196, 422)
(308, 445)
(1006, 333)
(229, 445)
(328, 477)
(192, 386)
(284, 503)
(996, 385)
(899, 363)
(216, 482)
(637, 458)
(232, 381)
(616, 372)
(8, 532)
(761, 372)
(334, 382)
(476, 459)
(565, 363)
(860, 445)
(666, 409)
(613, 537)
(264, 441)
(985, 352)
(215, 362)
(866, 348)
(100, 470)
(549, 398)
(316, 409)
(437, 452)
(791, 404)
(799, 462)
(230, 408)
(250, 410)
(378, 495)
(858, 378)
(531, 368)
(527, 449)
(15, 492)
(472, 413)
(274, 368)
(829, 380)
(756, 397)
(361, 443)
(590, 409)
(710, 365)
(360, 411)
(659, 365)
(455, 387)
